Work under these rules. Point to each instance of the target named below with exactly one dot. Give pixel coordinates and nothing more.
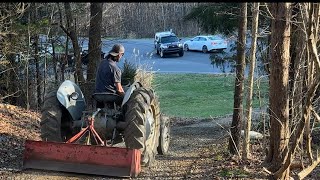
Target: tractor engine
(105, 121)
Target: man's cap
(116, 49)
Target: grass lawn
(198, 95)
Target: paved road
(142, 52)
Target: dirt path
(188, 143)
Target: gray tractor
(134, 120)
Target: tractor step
(85, 159)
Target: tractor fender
(74, 106)
(129, 91)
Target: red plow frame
(87, 159)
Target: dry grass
(132, 73)
(144, 77)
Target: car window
(215, 38)
(169, 39)
(196, 39)
(202, 39)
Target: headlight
(74, 96)
(164, 46)
(180, 45)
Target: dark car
(84, 56)
(169, 44)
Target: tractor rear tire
(164, 138)
(53, 116)
(143, 105)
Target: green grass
(196, 95)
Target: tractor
(133, 121)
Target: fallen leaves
(16, 125)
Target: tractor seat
(107, 98)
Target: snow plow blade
(85, 159)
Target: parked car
(168, 43)
(157, 36)
(85, 54)
(206, 43)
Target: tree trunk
(72, 33)
(314, 72)
(94, 55)
(35, 36)
(94, 50)
(54, 60)
(235, 128)
(37, 78)
(279, 98)
(246, 150)
(313, 81)
(64, 59)
(60, 58)
(12, 86)
(298, 60)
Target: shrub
(132, 73)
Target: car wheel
(181, 53)
(204, 49)
(186, 47)
(161, 53)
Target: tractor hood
(75, 106)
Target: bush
(132, 73)
(128, 73)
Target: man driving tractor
(108, 78)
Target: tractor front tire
(164, 138)
(52, 117)
(143, 117)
